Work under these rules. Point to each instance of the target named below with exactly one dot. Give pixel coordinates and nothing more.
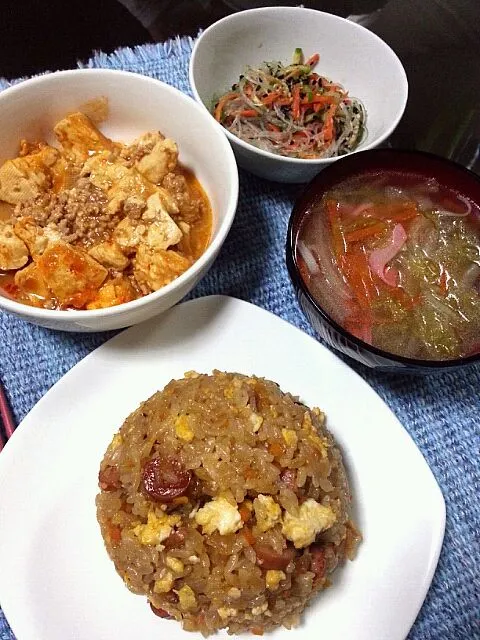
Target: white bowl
(136, 104)
(349, 54)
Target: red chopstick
(6, 414)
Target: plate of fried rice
(215, 471)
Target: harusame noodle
(292, 111)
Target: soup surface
(94, 223)
(394, 258)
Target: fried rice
(226, 503)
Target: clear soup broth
(394, 258)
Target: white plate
(56, 581)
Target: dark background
(438, 42)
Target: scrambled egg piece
(183, 429)
(164, 584)
(219, 514)
(290, 437)
(259, 610)
(157, 529)
(267, 512)
(320, 444)
(116, 442)
(186, 598)
(316, 441)
(256, 421)
(273, 579)
(227, 612)
(13, 251)
(175, 564)
(312, 519)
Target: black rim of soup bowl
(376, 160)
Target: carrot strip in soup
(248, 113)
(338, 240)
(365, 232)
(359, 278)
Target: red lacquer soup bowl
(383, 250)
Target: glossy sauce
(198, 240)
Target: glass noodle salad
(292, 111)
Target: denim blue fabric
(441, 413)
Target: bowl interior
(349, 54)
(425, 165)
(137, 104)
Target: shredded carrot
(273, 127)
(312, 61)
(248, 535)
(365, 232)
(271, 98)
(245, 513)
(359, 277)
(395, 211)
(289, 97)
(276, 449)
(404, 216)
(221, 104)
(296, 102)
(257, 631)
(114, 533)
(412, 301)
(328, 126)
(318, 100)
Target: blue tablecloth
(442, 413)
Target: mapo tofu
(93, 223)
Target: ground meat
(188, 205)
(133, 207)
(79, 213)
(134, 152)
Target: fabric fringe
(124, 57)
